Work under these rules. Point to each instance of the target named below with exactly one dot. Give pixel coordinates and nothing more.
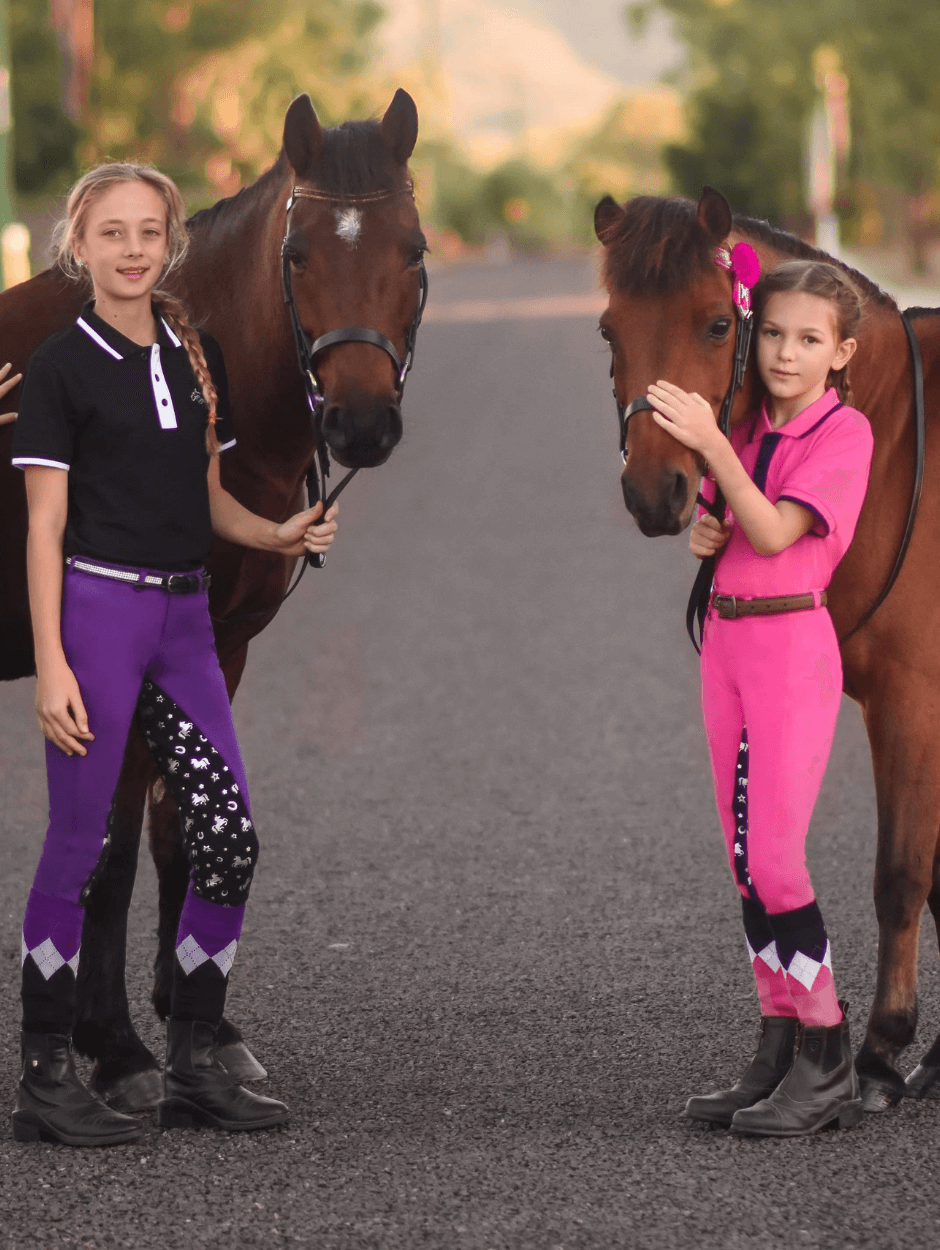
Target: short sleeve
(224, 426)
(831, 480)
(44, 431)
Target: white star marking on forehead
(348, 224)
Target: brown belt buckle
(727, 607)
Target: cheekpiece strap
(743, 264)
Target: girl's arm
(59, 707)
(295, 536)
(770, 528)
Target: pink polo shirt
(821, 459)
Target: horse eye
(719, 329)
(606, 335)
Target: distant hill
(505, 78)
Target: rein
(920, 440)
(307, 352)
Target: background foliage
(750, 90)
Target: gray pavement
(492, 945)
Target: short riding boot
(197, 1090)
(772, 1061)
(820, 1091)
(53, 1105)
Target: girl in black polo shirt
(122, 418)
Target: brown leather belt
(729, 607)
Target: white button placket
(161, 392)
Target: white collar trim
(174, 339)
(112, 351)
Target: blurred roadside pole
(828, 146)
(14, 237)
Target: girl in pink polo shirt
(794, 474)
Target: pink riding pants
(780, 677)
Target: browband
(345, 197)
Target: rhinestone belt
(173, 583)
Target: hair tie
(213, 417)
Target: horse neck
(232, 284)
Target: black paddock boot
(820, 1091)
(772, 1061)
(199, 1092)
(53, 1105)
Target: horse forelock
(657, 245)
(353, 159)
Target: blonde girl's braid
(174, 311)
(72, 227)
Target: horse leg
(907, 785)
(172, 864)
(924, 1081)
(126, 1074)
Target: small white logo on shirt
(198, 397)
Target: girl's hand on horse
(7, 384)
(60, 710)
(687, 416)
(707, 536)
(302, 533)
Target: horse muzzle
(363, 434)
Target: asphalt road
(492, 945)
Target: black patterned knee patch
(219, 833)
(739, 809)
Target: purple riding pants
(141, 652)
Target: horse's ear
(302, 135)
(714, 215)
(400, 126)
(606, 216)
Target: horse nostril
(334, 427)
(391, 434)
(678, 491)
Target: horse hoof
(924, 1082)
(878, 1096)
(141, 1091)
(239, 1062)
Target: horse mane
(658, 241)
(353, 159)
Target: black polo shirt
(129, 425)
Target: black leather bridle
(307, 352)
(744, 328)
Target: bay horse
(321, 257)
(670, 315)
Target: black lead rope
(917, 366)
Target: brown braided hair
(94, 183)
(829, 282)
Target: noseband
(307, 352)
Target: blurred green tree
(151, 58)
(751, 89)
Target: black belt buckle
(183, 583)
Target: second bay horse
(670, 315)
(333, 224)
